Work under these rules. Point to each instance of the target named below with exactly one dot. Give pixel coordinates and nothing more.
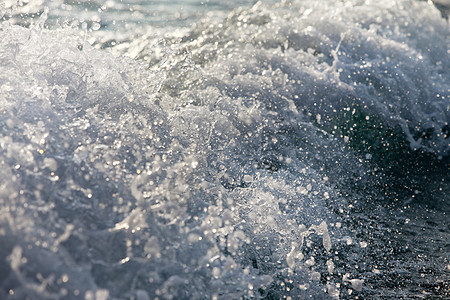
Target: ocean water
(224, 150)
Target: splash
(218, 162)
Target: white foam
(200, 168)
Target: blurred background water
(114, 14)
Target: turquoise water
(116, 14)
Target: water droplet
(96, 26)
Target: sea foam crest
(106, 193)
(387, 60)
(215, 173)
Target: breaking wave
(246, 157)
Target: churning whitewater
(291, 150)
